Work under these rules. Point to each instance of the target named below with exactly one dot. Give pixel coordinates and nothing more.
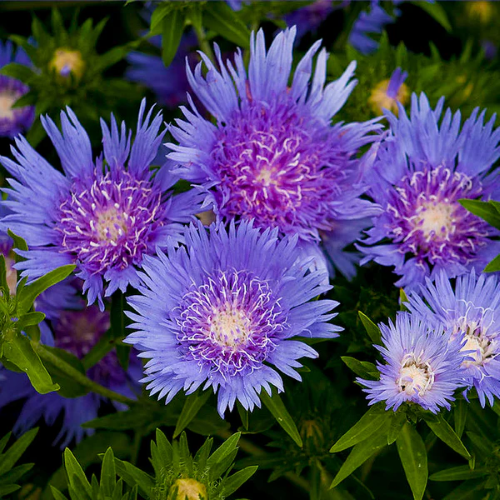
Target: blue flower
(308, 18)
(103, 217)
(272, 154)
(422, 169)
(221, 313)
(76, 332)
(471, 308)
(372, 22)
(13, 120)
(422, 365)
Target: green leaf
(493, 266)
(19, 351)
(193, 404)
(232, 483)
(368, 424)
(483, 209)
(437, 12)
(118, 327)
(244, 415)
(461, 473)
(224, 450)
(443, 430)
(460, 416)
(398, 419)
(75, 473)
(14, 453)
(19, 243)
(413, 455)
(280, 413)
(30, 319)
(403, 299)
(371, 328)
(4, 286)
(220, 18)
(363, 369)
(14, 474)
(134, 476)
(108, 474)
(360, 454)
(172, 29)
(26, 297)
(157, 17)
(463, 492)
(17, 71)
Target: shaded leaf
(443, 430)
(371, 328)
(193, 404)
(221, 19)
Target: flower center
(230, 322)
(108, 223)
(7, 100)
(414, 376)
(67, 61)
(279, 166)
(427, 220)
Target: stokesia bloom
(272, 154)
(103, 216)
(223, 311)
(423, 168)
(422, 365)
(13, 120)
(470, 308)
(76, 332)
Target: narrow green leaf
(493, 266)
(463, 492)
(225, 449)
(363, 369)
(443, 430)
(75, 472)
(461, 473)
(221, 19)
(29, 293)
(118, 327)
(4, 286)
(30, 319)
(368, 424)
(398, 419)
(191, 407)
(482, 209)
(19, 243)
(371, 328)
(360, 454)
(57, 494)
(7, 490)
(413, 455)
(135, 477)
(17, 71)
(243, 415)
(172, 29)
(14, 474)
(232, 483)
(460, 416)
(275, 405)
(403, 299)
(14, 453)
(108, 473)
(19, 351)
(157, 17)
(437, 12)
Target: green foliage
(9, 473)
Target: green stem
(256, 451)
(78, 377)
(203, 41)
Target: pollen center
(230, 327)
(414, 376)
(111, 224)
(7, 100)
(436, 219)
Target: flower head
(222, 312)
(13, 120)
(422, 170)
(308, 18)
(68, 62)
(76, 332)
(103, 217)
(471, 309)
(388, 93)
(422, 365)
(273, 155)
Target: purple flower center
(278, 165)
(427, 220)
(107, 223)
(12, 118)
(230, 322)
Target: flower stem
(203, 41)
(78, 377)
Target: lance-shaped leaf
(461, 473)
(172, 29)
(493, 266)
(220, 18)
(443, 430)
(484, 209)
(192, 406)
(413, 455)
(371, 328)
(363, 369)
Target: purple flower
(471, 308)
(76, 332)
(422, 365)
(422, 169)
(169, 84)
(372, 22)
(102, 216)
(309, 17)
(272, 154)
(13, 120)
(221, 313)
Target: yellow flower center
(188, 489)
(435, 219)
(7, 100)
(110, 225)
(67, 61)
(482, 11)
(414, 376)
(379, 99)
(230, 327)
